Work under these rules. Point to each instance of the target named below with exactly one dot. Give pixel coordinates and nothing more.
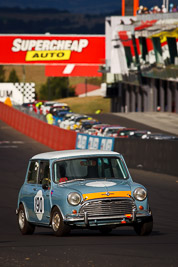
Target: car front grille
(108, 207)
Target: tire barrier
(49, 135)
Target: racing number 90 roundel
(39, 205)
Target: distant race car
(81, 189)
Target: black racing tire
(25, 227)
(144, 228)
(58, 226)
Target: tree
(2, 74)
(55, 88)
(13, 78)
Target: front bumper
(127, 219)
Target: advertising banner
(52, 49)
(72, 70)
(19, 93)
(85, 141)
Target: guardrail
(152, 155)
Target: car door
(29, 189)
(42, 198)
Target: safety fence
(152, 155)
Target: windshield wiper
(69, 181)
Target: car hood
(91, 189)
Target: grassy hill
(87, 105)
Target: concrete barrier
(51, 136)
(152, 155)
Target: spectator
(140, 10)
(163, 9)
(155, 9)
(145, 10)
(174, 9)
(171, 7)
(49, 118)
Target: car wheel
(26, 228)
(57, 223)
(144, 228)
(105, 230)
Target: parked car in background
(67, 119)
(58, 113)
(87, 124)
(124, 133)
(99, 128)
(139, 134)
(46, 107)
(111, 130)
(160, 136)
(49, 104)
(87, 189)
(78, 122)
(91, 131)
(73, 120)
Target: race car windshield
(89, 168)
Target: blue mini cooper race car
(81, 189)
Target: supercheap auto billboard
(50, 49)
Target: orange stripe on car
(108, 194)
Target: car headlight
(140, 194)
(74, 198)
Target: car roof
(73, 153)
(59, 104)
(142, 131)
(127, 129)
(100, 125)
(114, 127)
(50, 102)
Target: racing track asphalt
(82, 247)
(156, 122)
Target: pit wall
(151, 155)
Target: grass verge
(87, 105)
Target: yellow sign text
(48, 55)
